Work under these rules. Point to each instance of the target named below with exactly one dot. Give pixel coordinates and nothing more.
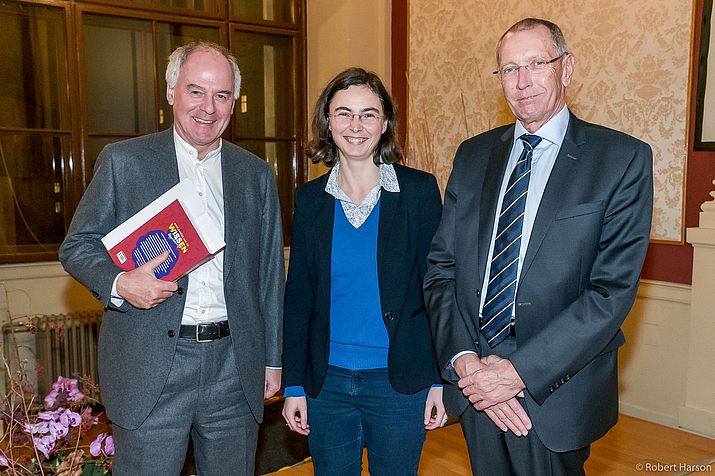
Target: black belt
(205, 332)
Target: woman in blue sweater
(358, 363)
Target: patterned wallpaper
(631, 74)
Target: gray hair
(529, 24)
(178, 57)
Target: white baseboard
(648, 415)
(697, 420)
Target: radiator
(65, 344)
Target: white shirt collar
(357, 213)
(553, 131)
(185, 149)
(388, 181)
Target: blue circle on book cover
(150, 246)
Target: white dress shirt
(205, 300)
(552, 136)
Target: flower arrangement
(54, 438)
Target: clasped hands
(491, 385)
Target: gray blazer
(578, 280)
(136, 347)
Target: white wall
(654, 360)
(27, 290)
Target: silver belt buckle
(212, 336)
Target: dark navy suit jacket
(578, 280)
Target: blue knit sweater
(358, 337)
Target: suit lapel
(231, 210)
(321, 236)
(165, 168)
(388, 208)
(561, 176)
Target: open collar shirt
(205, 300)
(357, 213)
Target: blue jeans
(359, 408)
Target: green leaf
(94, 469)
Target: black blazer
(578, 280)
(407, 223)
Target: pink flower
(4, 461)
(88, 420)
(49, 416)
(95, 448)
(57, 423)
(45, 444)
(40, 427)
(109, 446)
(70, 418)
(63, 390)
(58, 430)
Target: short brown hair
(322, 148)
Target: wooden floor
(633, 446)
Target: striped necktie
(501, 290)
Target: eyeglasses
(366, 118)
(535, 66)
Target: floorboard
(632, 447)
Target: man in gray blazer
(195, 357)
(535, 266)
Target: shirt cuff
(294, 391)
(116, 299)
(464, 352)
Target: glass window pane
(33, 68)
(199, 5)
(281, 157)
(270, 10)
(32, 195)
(119, 67)
(214, 7)
(169, 37)
(265, 106)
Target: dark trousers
(203, 398)
(357, 409)
(493, 452)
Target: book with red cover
(167, 224)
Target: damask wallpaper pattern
(631, 74)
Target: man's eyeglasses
(535, 66)
(366, 118)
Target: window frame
(78, 170)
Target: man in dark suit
(196, 357)
(535, 266)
